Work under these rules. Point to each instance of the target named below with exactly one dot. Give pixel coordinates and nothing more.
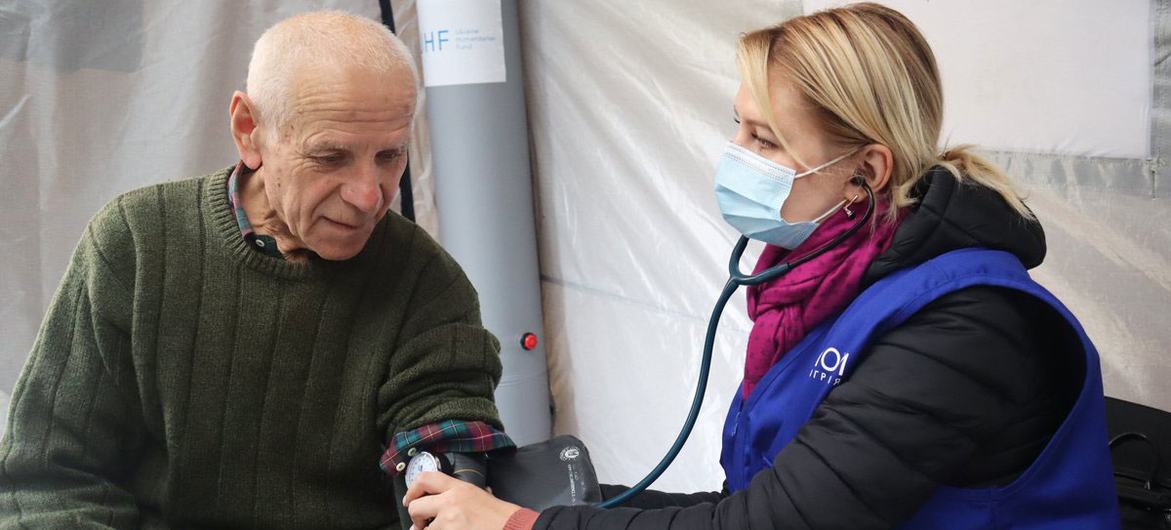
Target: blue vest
(1070, 485)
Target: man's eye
(389, 156)
(329, 160)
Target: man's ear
(244, 129)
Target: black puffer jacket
(965, 393)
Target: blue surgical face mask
(751, 190)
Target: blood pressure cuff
(557, 472)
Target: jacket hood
(950, 215)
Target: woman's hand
(439, 502)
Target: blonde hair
(873, 78)
(318, 37)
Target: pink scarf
(784, 310)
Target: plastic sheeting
(98, 98)
(1043, 76)
(630, 104)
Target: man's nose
(364, 192)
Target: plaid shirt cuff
(451, 436)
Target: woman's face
(798, 120)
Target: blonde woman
(913, 376)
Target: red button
(528, 341)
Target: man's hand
(439, 502)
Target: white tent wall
(98, 98)
(630, 103)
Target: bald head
(325, 128)
(316, 43)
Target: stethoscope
(736, 278)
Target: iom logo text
(830, 367)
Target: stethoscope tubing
(736, 278)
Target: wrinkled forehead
(350, 100)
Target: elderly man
(244, 349)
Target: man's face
(331, 173)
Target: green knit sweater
(182, 380)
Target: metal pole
(483, 188)
(405, 191)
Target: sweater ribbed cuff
(522, 519)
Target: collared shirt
(451, 436)
(262, 243)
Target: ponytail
(963, 163)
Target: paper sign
(462, 42)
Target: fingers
(423, 510)
(429, 483)
(422, 498)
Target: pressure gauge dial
(421, 463)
